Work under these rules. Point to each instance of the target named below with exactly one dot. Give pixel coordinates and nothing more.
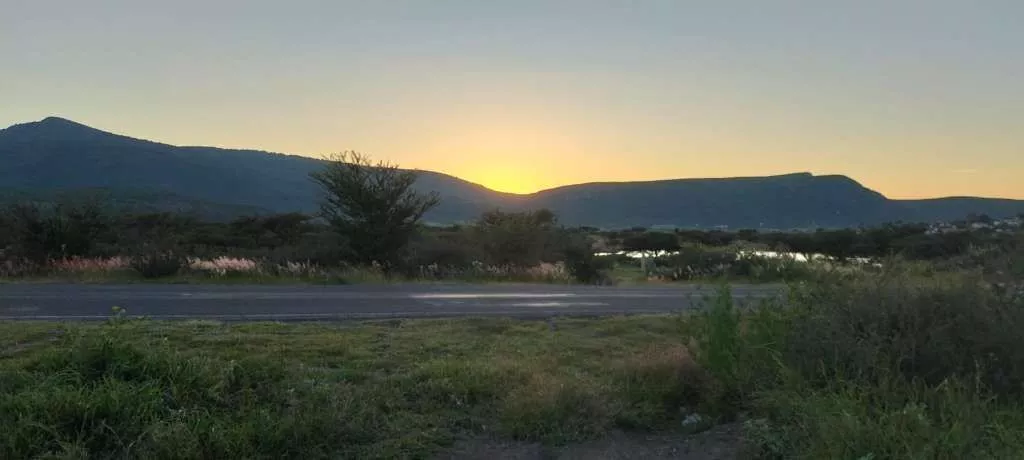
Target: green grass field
(396, 389)
(848, 366)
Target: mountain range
(53, 157)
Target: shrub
(870, 328)
(770, 269)
(161, 265)
(875, 327)
(297, 269)
(446, 249)
(17, 268)
(872, 365)
(584, 266)
(696, 263)
(518, 238)
(64, 229)
(739, 350)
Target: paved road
(296, 303)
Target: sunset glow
(530, 95)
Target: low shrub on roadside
(869, 328)
(19, 268)
(477, 271)
(302, 270)
(697, 263)
(159, 265)
(586, 267)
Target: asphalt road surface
(311, 303)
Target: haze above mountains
(40, 160)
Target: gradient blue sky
(912, 98)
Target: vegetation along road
(291, 303)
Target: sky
(911, 98)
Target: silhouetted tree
(747, 234)
(651, 242)
(373, 206)
(979, 219)
(42, 232)
(582, 262)
(287, 229)
(6, 232)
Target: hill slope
(57, 154)
(60, 155)
(794, 200)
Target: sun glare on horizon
(504, 178)
(516, 148)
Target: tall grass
(173, 267)
(872, 366)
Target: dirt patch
(718, 443)
(487, 449)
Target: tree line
(371, 214)
(911, 241)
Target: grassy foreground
(401, 389)
(847, 366)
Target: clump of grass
(556, 410)
(738, 349)
(658, 385)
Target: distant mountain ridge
(45, 157)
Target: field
(372, 390)
(854, 366)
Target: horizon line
(62, 119)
